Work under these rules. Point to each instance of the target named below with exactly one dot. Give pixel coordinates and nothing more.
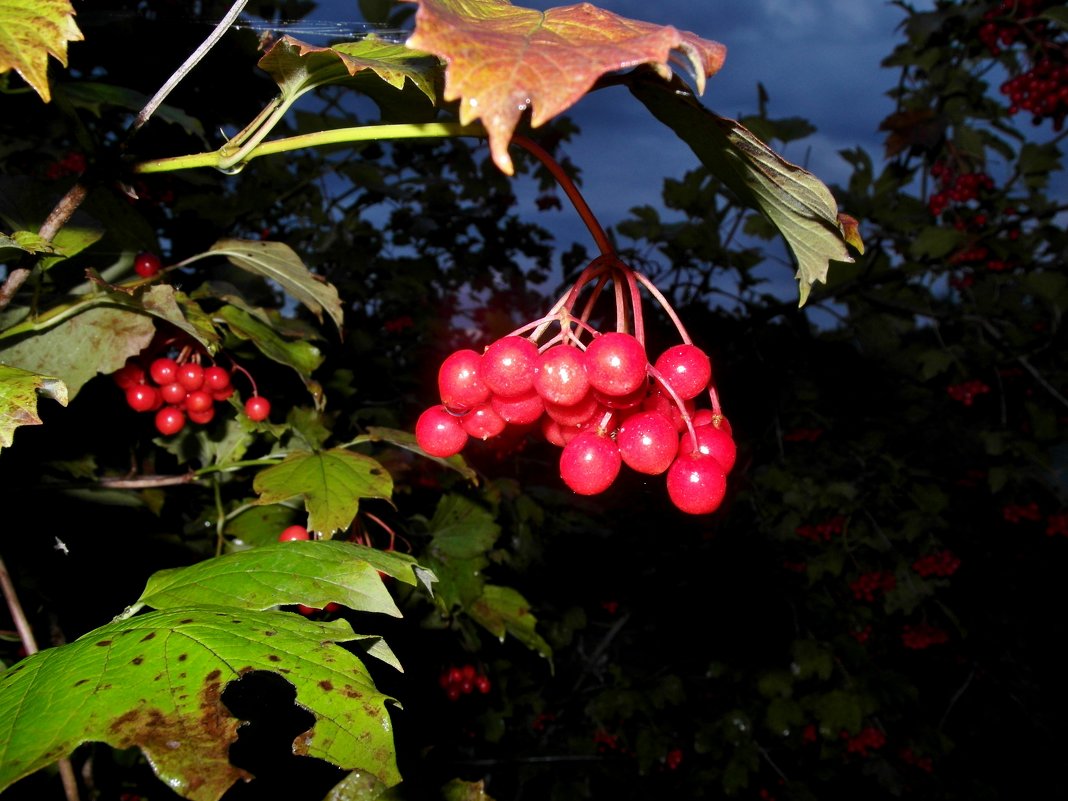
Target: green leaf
(72, 238)
(93, 96)
(503, 610)
(332, 483)
(155, 681)
(280, 263)
(307, 572)
(27, 241)
(18, 399)
(460, 790)
(1058, 15)
(30, 32)
(461, 528)
(163, 301)
(298, 67)
(935, 242)
(799, 204)
(98, 340)
(302, 356)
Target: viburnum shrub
(593, 393)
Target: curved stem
(572, 192)
(336, 136)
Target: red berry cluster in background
(822, 532)
(1019, 512)
(967, 391)
(867, 739)
(464, 680)
(868, 584)
(922, 636)
(910, 757)
(1057, 524)
(956, 189)
(181, 390)
(594, 395)
(1042, 88)
(941, 563)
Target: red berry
(507, 367)
(170, 420)
(696, 483)
(482, 422)
(560, 376)
(142, 397)
(294, 533)
(174, 393)
(216, 379)
(222, 394)
(483, 684)
(616, 364)
(521, 410)
(202, 418)
(648, 442)
(686, 368)
(147, 264)
(711, 441)
(257, 408)
(191, 376)
(440, 433)
(163, 371)
(199, 401)
(589, 463)
(129, 374)
(458, 381)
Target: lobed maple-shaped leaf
(31, 31)
(800, 206)
(18, 399)
(332, 484)
(502, 610)
(156, 680)
(502, 59)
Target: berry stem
(664, 304)
(572, 192)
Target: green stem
(218, 468)
(336, 136)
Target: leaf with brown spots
(502, 59)
(30, 32)
(155, 681)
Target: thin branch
(187, 67)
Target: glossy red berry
(507, 367)
(190, 376)
(128, 375)
(459, 384)
(174, 393)
(686, 369)
(560, 376)
(482, 422)
(198, 401)
(202, 417)
(142, 397)
(440, 433)
(257, 408)
(170, 420)
(589, 463)
(294, 532)
(216, 378)
(147, 264)
(648, 442)
(163, 371)
(616, 364)
(711, 441)
(696, 483)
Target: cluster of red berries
(867, 739)
(457, 681)
(867, 584)
(822, 532)
(1057, 524)
(180, 391)
(941, 563)
(1019, 512)
(71, 164)
(910, 757)
(967, 391)
(597, 397)
(1042, 91)
(862, 635)
(922, 636)
(956, 188)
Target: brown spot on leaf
(185, 621)
(269, 633)
(104, 643)
(274, 657)
(182, 657)
(326, 685)
(80, 682)
(137, 660)
(148, 636)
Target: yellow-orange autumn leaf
(31, 31)
(503, 59)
